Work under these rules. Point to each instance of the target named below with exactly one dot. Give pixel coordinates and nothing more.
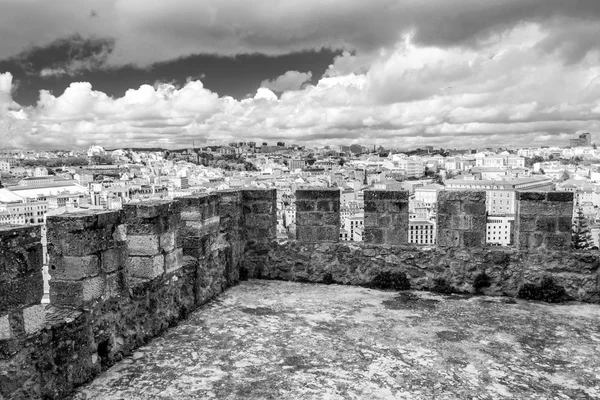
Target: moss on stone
(440, 285)
(390, 280)
(482, 280)
(547, 291)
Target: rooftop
(287, 340)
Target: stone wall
(421, 268)
(386, 217)
(121, 278)
(118, 280)
(318, 215)
(459, 261)
(461, 219)
(544, 220)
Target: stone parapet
(544, 220)
(21, 283)
(152, 238)
(461, 219)
(87, 256)
(260, 214)
(386, 217)
(318, 215)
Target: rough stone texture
(461, 219)
(318, 215)
(20, 267)
(283, 340)
(260, 223)
(108, 302)
(386, 217)
(101, 318)
(361, 263)
(543, 221)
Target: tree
(581, 237)
(565, 176)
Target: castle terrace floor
(285, 340)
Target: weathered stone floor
(283, 340)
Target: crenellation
(120, 278)
(461, 219)
(318, 215)
(544, 220)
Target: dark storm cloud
(149, 32)
(72, 56)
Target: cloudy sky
(397, 73)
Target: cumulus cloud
(512, 91)
(148, 32)
(291, 80)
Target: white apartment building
(421, 231)
(353, 228)
(499, 230)
(4, 166)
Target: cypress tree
(582, 236)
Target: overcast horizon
(401, 73)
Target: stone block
(558, 241)
(74, 268)
(479, 222)
(5, 330)
(556, 209)
(114, 285)
(374, 235)
(120, 233)
(394, 195)
(371, 220)
(167, 241)
(76, 293)
(472, 196)
(312, 234)
(461, 222)
(260, 220)
(150, 209)
(374, 206)
(473, 208)
(113, 259)
(108, 218)
(444, 221)
(562, 197)
(534, 240)
(564, 224)
(20, 260)
(529, 207)
(473, 239)
(395, 237)
(527, 223)
(448, 207)
(146, 267)
(173, 260)
(393, 206)
(306, 206)
(259, 194)
(80, 243)
(34, 318)
(263, 207)
(448, 238)
(332, 194)
(546, 224)
(530, 196)
(143, 245)
(21, 292)
(328, 206)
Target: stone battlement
(120, 278)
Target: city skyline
(400, 74)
